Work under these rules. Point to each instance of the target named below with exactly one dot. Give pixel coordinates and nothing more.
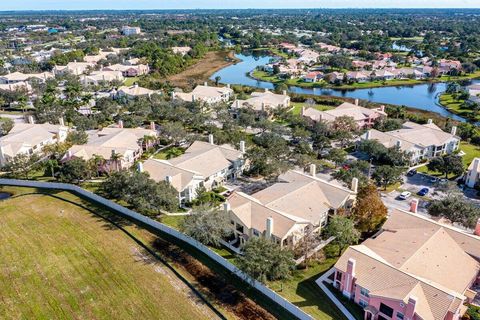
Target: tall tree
(369, 211)
(386, 175)
(447, 164)
(264, 260)
(207, 225)
(344, 231)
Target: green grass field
(457, 107)
(59, 261)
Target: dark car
(411, 172)
(423, 192)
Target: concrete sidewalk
(332, 297)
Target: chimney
(398, 143)
(193, 98)
(269, 228)
(454, 130)
(61, 122)
(414, 206)
(152, 125)
(477, 228)
(263, 106)
(429, 121)
(313, 170)
(382, 108)
(410, 309)
(351, 266)
(266, 90)
(367, 135)
(349, 288)
(226, 207)
(356, 102)
(237, 104)
(210, 139)
(205, 84)
(30, 119)
(140, 167)
(120, 124)
(173, 95)
(284, 92)
(228, 85)
(355, 185)
(242, 146)
(303, 111)
(168, 179)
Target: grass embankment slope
(458, 107)
(204, 68)
(59, 261)
(298, 82)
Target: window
(399, 316)
(364, 292)
(339, 276)
(386, 310)
(239, 228)
(362, 303)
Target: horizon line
(280, 8)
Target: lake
(422, 96)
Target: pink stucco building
(364, 117)
(413, 269)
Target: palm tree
(116, 158)
(217, 80)
(95, 163)
(147, 141)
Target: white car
(404, 195)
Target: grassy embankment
(264, 76)
(457, 106)
(61, 261)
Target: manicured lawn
(471, 152)
(456, 106)
(173, 221)
(170, 152)
(131, 81)
(59, 261)
(297, 107)
(302, 290)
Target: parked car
(423, 192)
(433, 180)
(404, 195)
(411, 172)
(443, 181)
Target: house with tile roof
(434, 141)
(30, 138)
(284, 212)
(364, 117)
(16, 77)
(75, 68)
(414, 268)
(129, 70)
(132, 92)
(206, 94)
(118, 147)
(204, 164)
(98, 77)
(263, 101)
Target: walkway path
(324, 278)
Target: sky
(228, 4)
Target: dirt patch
(203, 69)
(226, 294)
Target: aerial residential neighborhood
(219, 160)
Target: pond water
(422, 96)
(5, 195)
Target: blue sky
(194, 4)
